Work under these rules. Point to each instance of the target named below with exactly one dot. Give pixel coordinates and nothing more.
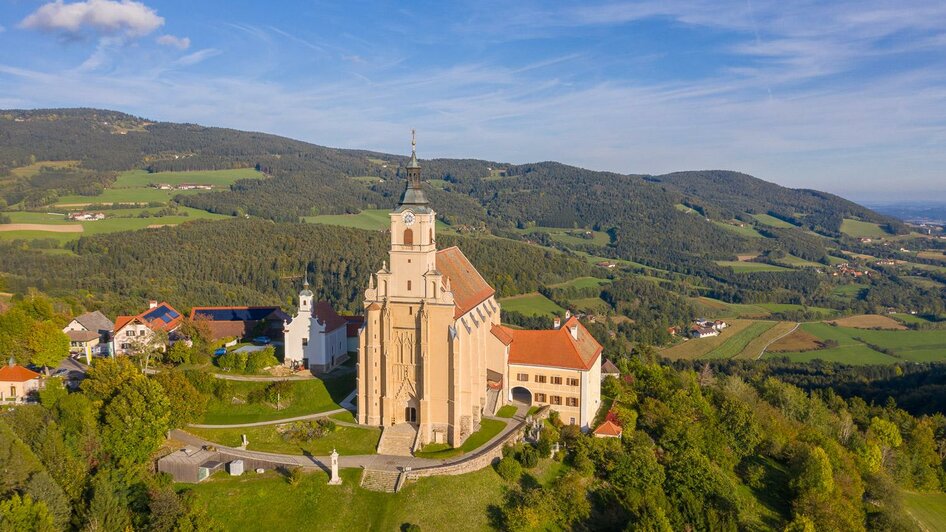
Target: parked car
(221, 351)
(262, 340)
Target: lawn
(506, 411)
(488, 429)
(859, 229)
(749, 267)
(309, 397)
(928, 509)
(772, 221)
(720, 309)
(457, 502)
(347, 440)
(582, 282)
(532, 304)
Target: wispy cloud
(198, 57)
(106, 17)
(181, 43)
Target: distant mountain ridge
(638, 212)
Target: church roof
(468, 286)
(327, 315)
(553, 347)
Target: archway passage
(522, 395)
(410, 414)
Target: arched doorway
(522, 395)
(410, 414)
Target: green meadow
(859, 229)
(309, 396)
(533, 304)
(772, 221)
(369, 219)
(855, 345)
(749, 267)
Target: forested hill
(722, 193)
(644, 216)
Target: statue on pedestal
(335, 480)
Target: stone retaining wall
(475, 462)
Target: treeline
(252, 262)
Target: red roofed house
(557, 367)
(133, 331)
(434, 358)
(241, 322)
(17, 382)
(608, 429)
(316, 338)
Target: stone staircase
(380, 480)
(398, 440)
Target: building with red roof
(134, 331)
(241, 322)
(18, 383)
(316, 338)
(608, 429)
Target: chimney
(568, 314)
(574, 330)
(152, 304)
(556, 323)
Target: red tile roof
(554, 347)
(609, 428)
(468, 286)
(17, 373)
(354, 323)
(327, 315)
(154, 325)
(502, 334)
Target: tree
(258, 360)
(509, 469)
(187, 404)
(107, 510)
(814, 473)
(135, 421)
(47, 344)
(24, 514)
(106, 376)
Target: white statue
(335, 480)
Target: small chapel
(434, 357)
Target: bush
(509, 469)
(305, 431)
(233, 362)
(179, 353)
(294, 476)
(528, 457)
(258, 360)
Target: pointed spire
(413, 196)
(305, 286)
(413, 162)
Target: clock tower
(413, 244)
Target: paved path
(368, 461)
(270, 422)
(264, 378)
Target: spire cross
(413, 140)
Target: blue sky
(848, 97)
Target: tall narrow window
(431, 235)
(408, 237)
(408, 286)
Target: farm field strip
(755, 348)
(531, 304)
(927, 509)
(695, 348)
(737, 344)
(860, 229)
(748, 267)
(854, 345)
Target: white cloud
(104, 17)
(181, 43)
(198, 56)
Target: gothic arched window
(408, 237)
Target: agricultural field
(857, 346)
(267, 438)
(745, 229)
(594, 305)
(735, 346)
(532, 304)
(859, 229)
(749, 267)
(927, 509)
(133, 186)
(33, 169)
(772, 221)
(848, 291)
(369, 219)
(787, 307)
(116, 220)
(758, 345)
(924, 282)
(698, 348)
(714, 308)
(799, 340)
(869, 321)
(565, 236)
(932, 255)
(308, 396)
(798, 262)
(582, 282)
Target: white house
(133, 332)
(316, 338)
(89, 334)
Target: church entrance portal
(522, 395)
(410, 415)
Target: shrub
(233, 362)
(257, 360)
(509, 469)
(294, 476)
(179, 353)
(528, 457)
(304, 431)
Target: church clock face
(408, 218)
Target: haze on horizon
(846, 97)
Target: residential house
(18, 383)
(703, 332)
(241, 322)
(134, 331)
(89, 334)
(316, 338)
(608, 369)
(608, 429)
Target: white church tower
(316, 337)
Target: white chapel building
(316, 337)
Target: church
(434, 358)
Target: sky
(847, 97)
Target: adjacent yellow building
(434, 358)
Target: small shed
(236, 468)
(190, 464)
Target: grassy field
(436, 503)
(771, 220)
(559, 234)
(928, 509)
(859, 229)
(869, 321)
(116, 220)
(853, 348)
(745, 229)
(720, 309)
(749, 267)
(488, 429)
(217, 178)
(848, 291)
(33, 169)
(700, 347)
(533, 304)
(308, 397)
(595, 305)
(798, 262)
(754, 348)
(347, 440)
(924, 282)
(370, 219)
(736, 344)
(582, 282)
(787, 307)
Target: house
(241, 322)
(316, 338)
(89, 334)
(606, 264)
(703, 332)
(85, 216)
(354, 325)
(608, 429)
(134, 331)
(608, 369)
(719, 325)
(18, 383)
